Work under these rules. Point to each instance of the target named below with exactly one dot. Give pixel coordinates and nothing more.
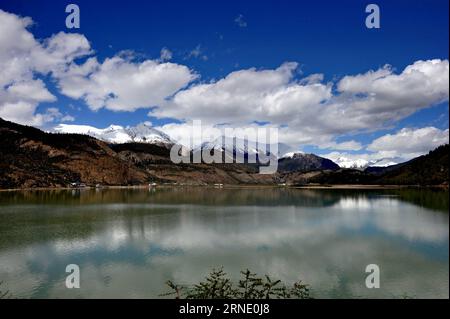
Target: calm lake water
(127, 243)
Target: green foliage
(217, 285)
(430, 169)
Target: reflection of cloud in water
(398, 219)
(131, 252)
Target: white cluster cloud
(183, 133)
(409, 142)
(21, 58)
(306, 110)
(401, 146)
(119, 84)
(365, 101)
(248, 95)
(383, 96)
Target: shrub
(217, 285)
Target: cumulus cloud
(248, 95)
(183, 133)
(346, 145)
(306, 110)
(23, 112)
(120, 84)
(22, 57)
(245, 96)
(408, 142)
(401, 146)
(384, 96)
(311, 110)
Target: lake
(128, 242)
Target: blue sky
(209, 38)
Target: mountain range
(138, 155)
(141, 133)
(362, 164)
(144, 133)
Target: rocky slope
(301, 162)
(426, 170)
(30, 157)
(33, 158)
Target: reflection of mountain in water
(428, 198)
(178, 195)
(97, 206)
(129, 242)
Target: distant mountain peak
(345, 162)
(361, 164)
(292, 154)
(229, 143)
(141, 133)
(299, 161)
(147, 134)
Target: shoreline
(223, 186)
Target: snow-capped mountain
(239, 147)
(362, 164)
(345, 162)
(145, 134)
(229, 145)
(385, 162)
(290, 154)
(142, 133)
(231, 148)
